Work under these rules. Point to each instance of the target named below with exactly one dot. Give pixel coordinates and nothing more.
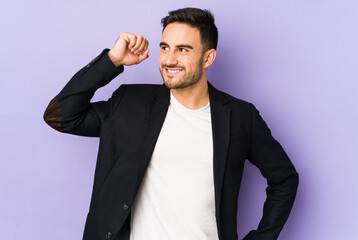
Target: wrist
(114, 60)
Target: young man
(171, 156)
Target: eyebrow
(178, 46)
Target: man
(171, 156)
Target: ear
(209, 57)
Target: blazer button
(125, 207)
(108, 235)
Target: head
(188, 47)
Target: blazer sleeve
(71, 110)
(282, 180)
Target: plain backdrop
(295, 60)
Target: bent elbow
(53, 115)
(295, 181)
(284, 189)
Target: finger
(144, 55)
(138, 43)
(142, 46)
(146, 45)
(125, 36)
(132, 41)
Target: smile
(173, 71)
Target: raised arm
(71, 110)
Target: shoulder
(140, 93)
(138, 89)
(142, 88)
(231, 102)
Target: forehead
(180, 33)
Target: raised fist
(129, 49)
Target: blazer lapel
(156, 112)
(220, 120)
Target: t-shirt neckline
(175, 102)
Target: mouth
(172, 71)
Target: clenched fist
(129, 49)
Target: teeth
(173, 71)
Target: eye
(164, 48)
(183, 50)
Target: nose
(171, 59)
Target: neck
(193, 97)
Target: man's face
(181, 56)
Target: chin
(170, 84)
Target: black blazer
(128, 125)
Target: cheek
(161, 58)
(193, 62)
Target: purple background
(295, 60)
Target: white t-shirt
(176, 199)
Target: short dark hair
(198, 18)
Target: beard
(189, 79)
